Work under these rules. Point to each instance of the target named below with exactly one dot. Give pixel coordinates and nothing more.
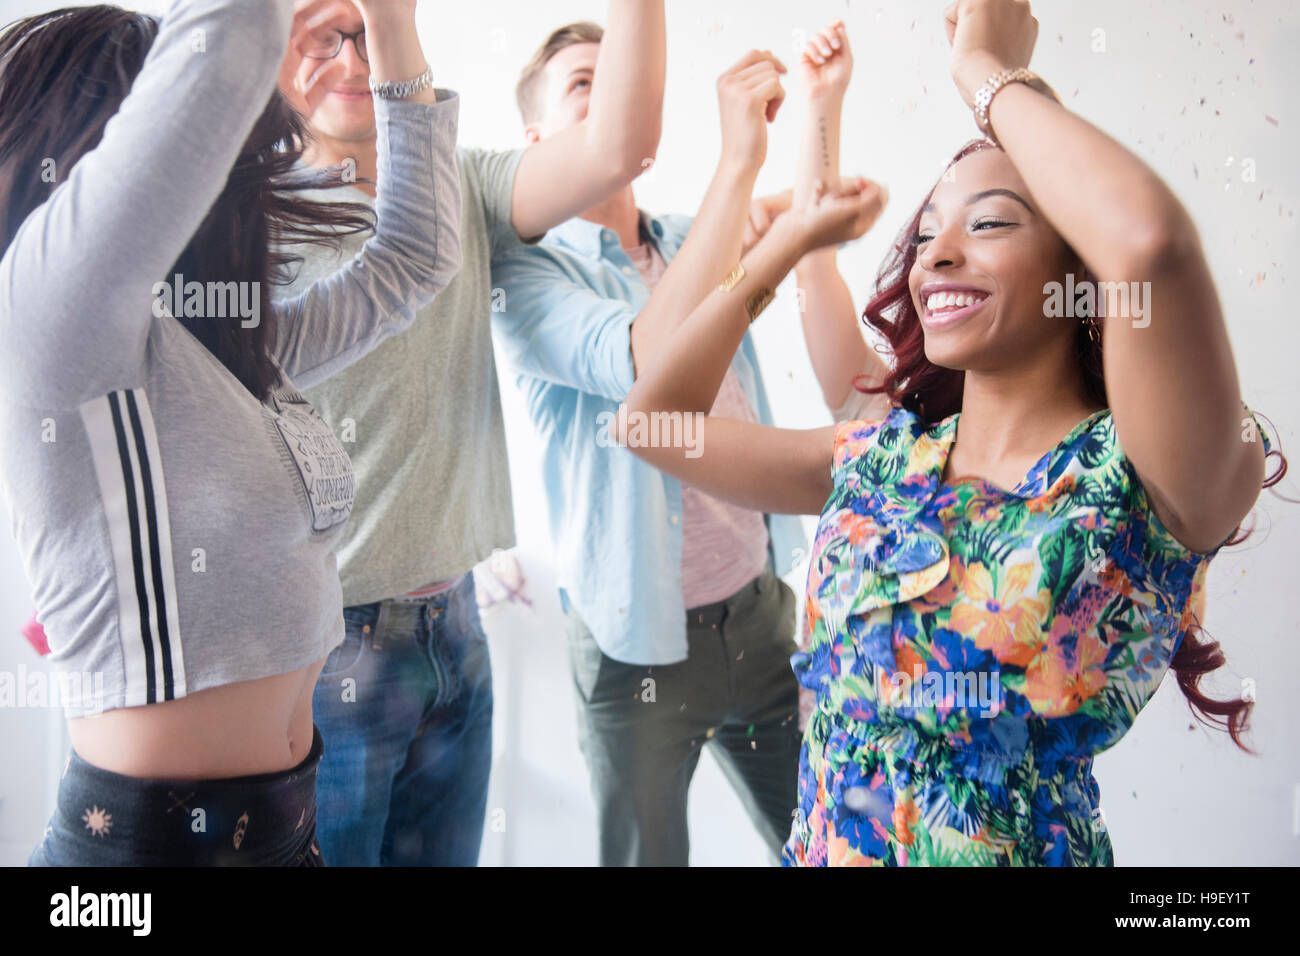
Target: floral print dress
(971, 648)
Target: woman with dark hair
(1011, 559)
(174, 498)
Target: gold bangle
(733, 278)
(757, 302)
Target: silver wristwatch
(405, 89)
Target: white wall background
(1196, 88)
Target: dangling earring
(1094, 331)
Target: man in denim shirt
(680, 632)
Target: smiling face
(984, 254)
(565, 90)
(340, 88)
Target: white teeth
(952, 300)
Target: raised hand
(762, 213)
(988, 36)
(309, 17)
(826, 63)
(749, 95)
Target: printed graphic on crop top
(322, 465)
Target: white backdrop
(1202, 91)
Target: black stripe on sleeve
(137, 556)
(151, 517)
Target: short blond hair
(526, 92)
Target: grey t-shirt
(420, 416)
(178, 533)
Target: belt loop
(381, 621)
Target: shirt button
(606, 235)
(628, 270)
(673, 519)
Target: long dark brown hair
(933, 392)
(65, 73)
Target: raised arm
(415, 250)
(749, 95)
(76, 282)
(557, 329)
(831, 327)
(757, 466)
(577, 168)
(1170, 375)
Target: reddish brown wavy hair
(933, 393)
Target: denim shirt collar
(594, 241)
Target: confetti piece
(1270, 119)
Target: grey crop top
(177, 533)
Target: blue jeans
(405, 707)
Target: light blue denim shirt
(565, 326)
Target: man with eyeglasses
(405, 703)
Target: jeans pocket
(789, 616)
(344, 658)
(585, 657)
(466, 603)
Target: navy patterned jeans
(107, 819)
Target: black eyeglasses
(327, 44)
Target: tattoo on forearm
(826, 151)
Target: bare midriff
(251, 727)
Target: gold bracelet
(757, 302)
(994, 84)
(733, 278)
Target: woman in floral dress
(987, 614)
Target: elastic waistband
(929, 754)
